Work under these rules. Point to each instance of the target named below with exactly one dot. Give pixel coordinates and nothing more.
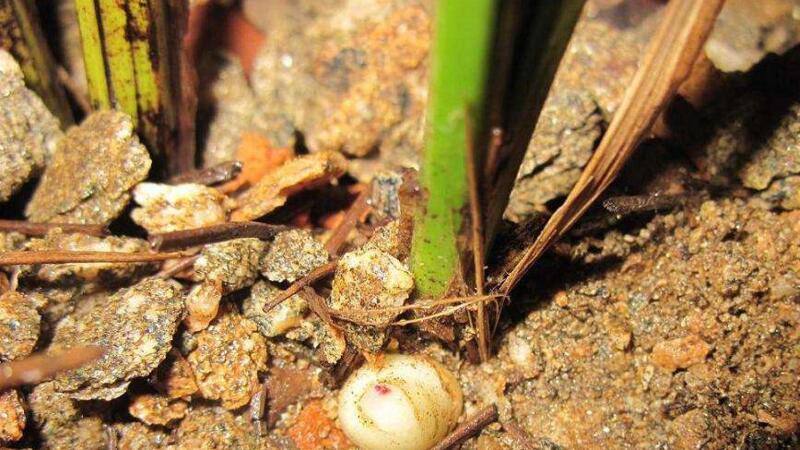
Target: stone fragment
(292, 255)
(12, 416)
(278, 320)
(166, 208)
(212, 427)
(135, 326)
(92, 171)
(20, 324)
(60, 424)
(174, 377)
(313, 428)
(680, 353)
(202, 305)
(233, 263)
(368, 287)
(302, 173)
(154, 409)
(329, 343)
(229, 355)
(138, 436)
(28, 131)
(356, 82)
(784, 192)
(746, 31)
(285, 387)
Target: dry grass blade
(41, 229)
(668, 62)
(66, 257)
(39, 367)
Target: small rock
(280, 319)
(368, 287)
(174, 377)
(314, 429)
(28, 132)
(202, 305)
(60, 424)
(680, 353)
(233, 263)
(229, 355)
(285, 387)
(93, 169)
(292, 255)
(12, 416)
(20, 324)
(329, 342)
(138, 436)
(135, 326)
(166, 208)
(393, 239)
(209, 427)
(302, 173)
(154, 409)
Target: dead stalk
(351, 218)
(668, 62)
(42, 366)
(472, 426)
(316, 274)
(67, 257)
(213, 233)
(41, 229)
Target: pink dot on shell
(382, 389)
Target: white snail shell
(400, 402)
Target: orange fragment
(258, 158)
(313, 429)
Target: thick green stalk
(132, 54)
(459, 66)
(21, 35)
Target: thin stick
(316, 274)
(179, 266)
(493, 156)
(476, 222)
(469, 428)
(41, 366)
(668, 62)
(66, 257)
(74, 91)
(521, 438)
(351, 218)
(213, 233)
(41, 229)
(210, 176)
(447, 312)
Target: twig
(469, 428)
(74, 91)
(210, 176)
(213, 233)
(317, 305)
(477, 236)
(668, 61)
(628, 204)
(168, 271)
(316, 274)
(41, 366)
(522, 440)
(41, 229)
(351, 359)
(66, 257)
(339, 236)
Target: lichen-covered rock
(233, 263)
(20, 324)
(274, 189)
(281, 318)
(59, 422)
(368, 287)
(166, 208)
(214, 428)
(135, 326)
(154, 409)
(28, 132)
(229, 355)
(356, 82)
(12, 416)
(329, 343)
(91, 173)
(292, 255)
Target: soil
(669, 319)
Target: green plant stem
(462, 39)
